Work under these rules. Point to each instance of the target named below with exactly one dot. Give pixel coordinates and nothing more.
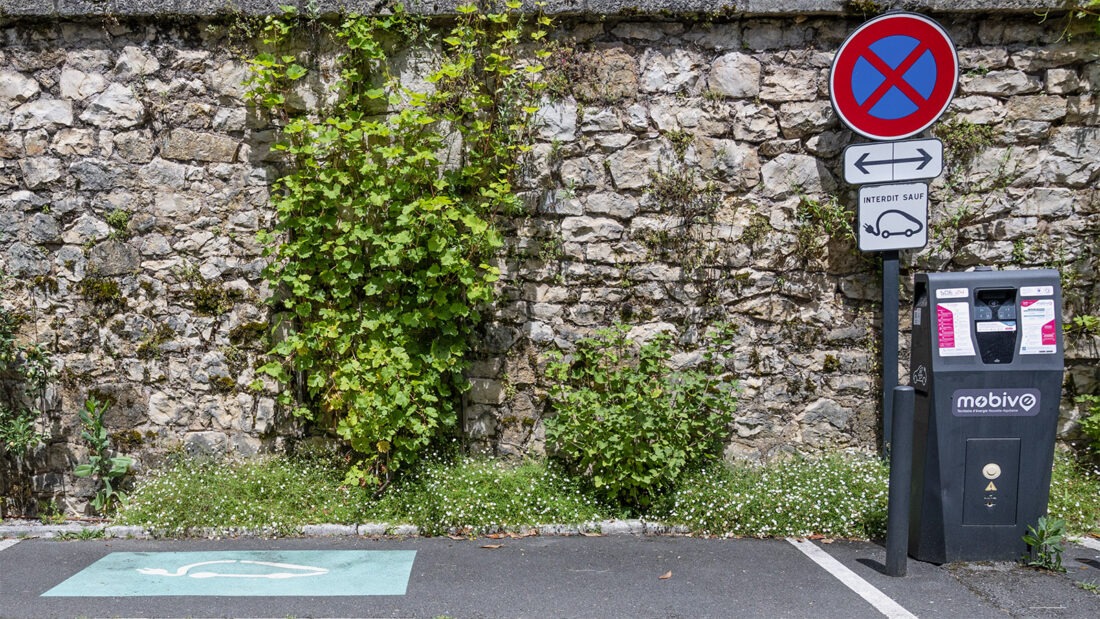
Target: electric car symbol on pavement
(894, 223)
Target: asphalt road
(613, 576)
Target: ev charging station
(986, 366)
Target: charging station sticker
(952, 293)
(1037, 291)
(953, 330)
(1038, 327)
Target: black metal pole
(901, 477)
(889, 343)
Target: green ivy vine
(381, 254)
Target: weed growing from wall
(385, 225)
(821, 222)
(103, 465)
(25, 371)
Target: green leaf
(296, 72)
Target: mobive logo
(995, 402)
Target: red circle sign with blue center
(894, 76)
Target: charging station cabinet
(986, 365)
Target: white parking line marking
(8, 543)
(864, 589)
(1088, 542)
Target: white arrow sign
(893, 217)
(886, 162)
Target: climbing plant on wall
(381, 254)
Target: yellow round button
(991, 470)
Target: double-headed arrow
(891, 162)
(863, 164)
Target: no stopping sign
(894, 76)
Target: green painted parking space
(243, 573)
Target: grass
(271, 494)
(837, 495)
(475, 495)
(1075, 494)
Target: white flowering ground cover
(837, 495)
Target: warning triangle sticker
(991, 487)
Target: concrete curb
(33, 529)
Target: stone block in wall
(26, 260)
(1036, 107)
(39, 171)
(729, 161)
(601, 119)
(78, 85)
(978, 109)
(134, 146)
(42, 113)
(1025, 131)
(632, 167)
(650, 32)
(588, 229)
(79, 142)
(607, 74)
(613, 142)
(1048, 202)
(1052, 56)
(42, 229)
(114, 257)
(983, 59)
(754, 122)
(557, 120)
(719, 37)
(11, 145)
(612, 204)
(735, 75)
(205, 443)
(94, 174)
(539, 332)
(187, 145)
(805, 118)
(35, 142)
(790, 84)
(16, 87)
(789, 174)
(86, 228)
(163, 409)
(480, 421)
(615, 253)
(1079, 160)
(1062, 81)
(828, 144)
(676, 71)
(135, 62)
(1006, 83)
(583, 172)
(762, 34)
(1083, 110)
(486, 391)
(116, 108)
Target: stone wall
(685, 174)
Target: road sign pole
(890, 329)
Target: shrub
(627, 421)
